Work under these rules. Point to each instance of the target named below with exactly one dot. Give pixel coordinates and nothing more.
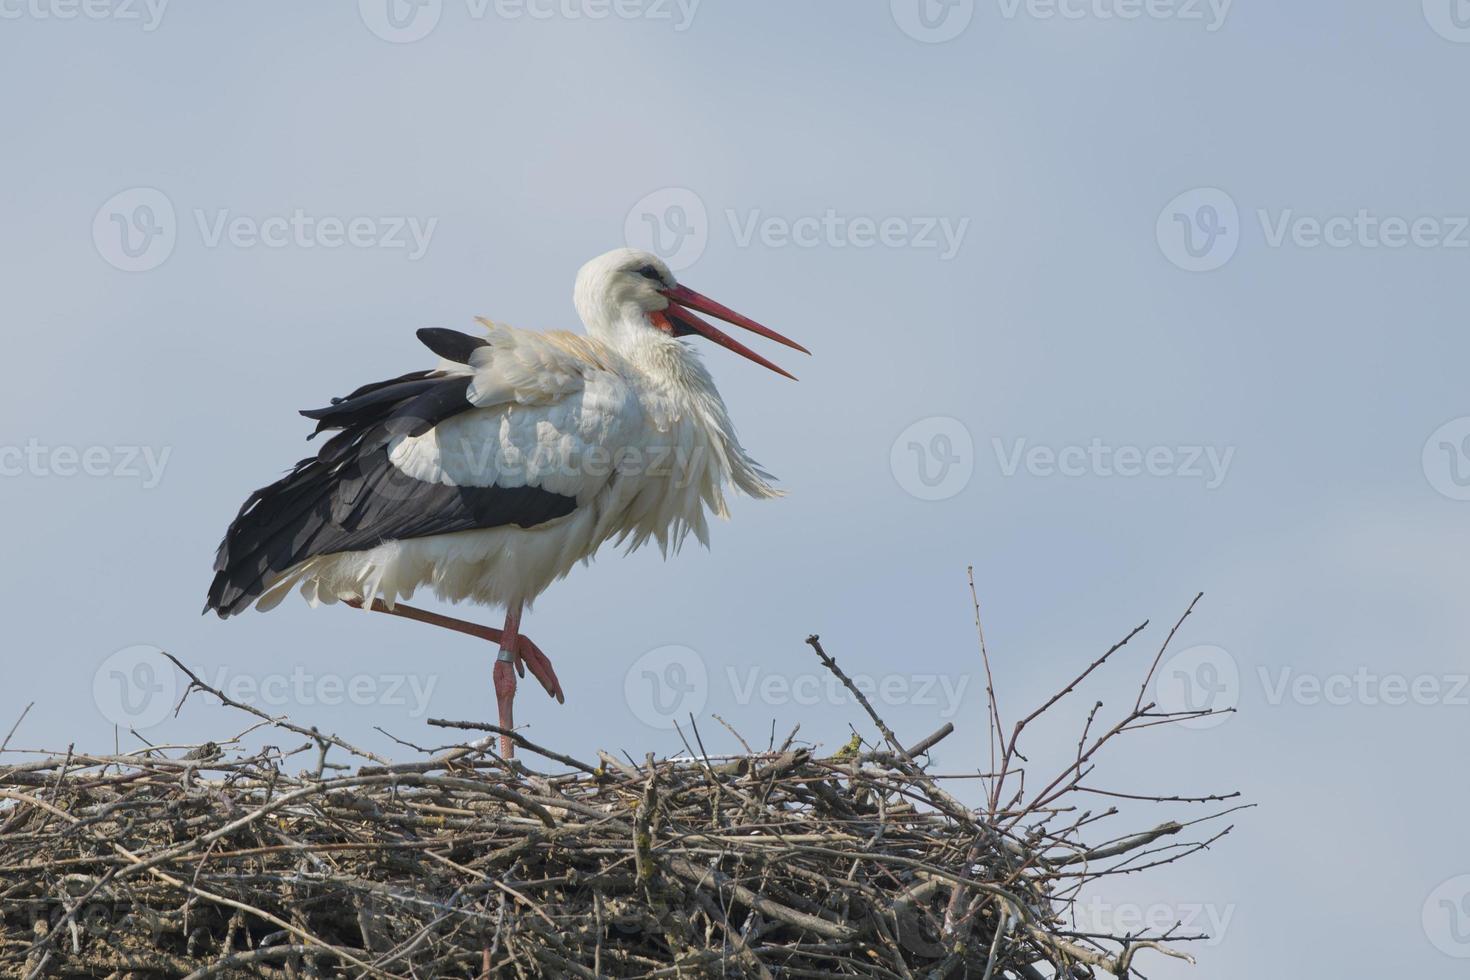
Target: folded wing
(428, 453)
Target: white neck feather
(615, 310)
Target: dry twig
(212, 862)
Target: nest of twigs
(216, 862)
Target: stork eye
(649, 272)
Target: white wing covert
(550, 411)
(494, 438)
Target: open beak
(680, 321)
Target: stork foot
(517, 653)
(508, 665)
(528, 654)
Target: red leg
(433, 619)
(517, 652)
(506, 665)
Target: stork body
(489, 477)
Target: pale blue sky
(1328, 538)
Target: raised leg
(516, 651)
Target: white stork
(489, 477)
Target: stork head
(628, 290)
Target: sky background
(1199, 325)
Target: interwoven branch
(216, 861)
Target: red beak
(681, 322)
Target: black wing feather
(350, 497)
(359, 407)
(451, 344)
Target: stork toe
(528, 654)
